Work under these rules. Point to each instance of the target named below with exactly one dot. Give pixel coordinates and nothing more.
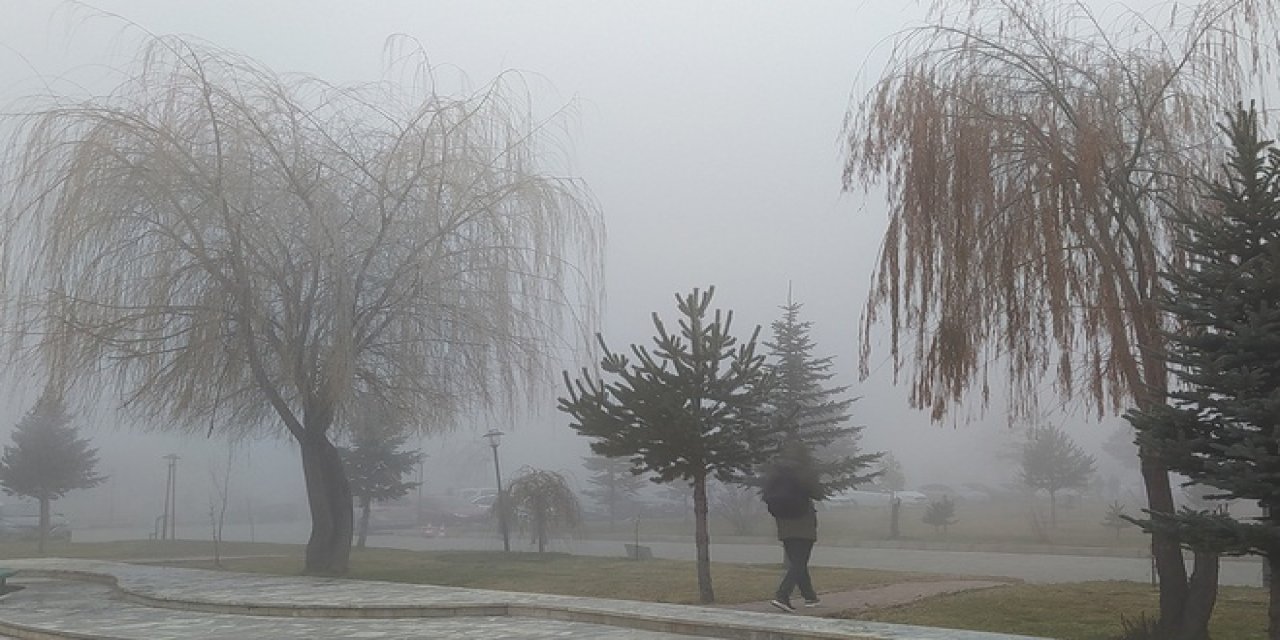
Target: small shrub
(1140, 628)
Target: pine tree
(1222, 426)
(48, 458)
(690, 409)
(376, 468)
(1116, 518)
(807, 411)
(891, 475)
(1052, 461)
(940, 513)
(612, 483)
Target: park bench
(639, 552)
(5, 574)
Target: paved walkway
(90, 600)
(888, 595)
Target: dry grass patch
(1077, 611)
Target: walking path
(91, 600)
(889, 595)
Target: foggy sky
(708, 131)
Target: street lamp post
(171, 500)
(495, 438)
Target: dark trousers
(796, 552)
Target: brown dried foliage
(1032, 156)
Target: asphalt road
(1038, 568)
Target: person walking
(789, 490)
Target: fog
(708, 132)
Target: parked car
(477, 509)
(857, 498)
(21, 521)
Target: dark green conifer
(1221, 427)
(48, 458)
(807, 411)
(690, 409)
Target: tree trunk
(895, 512)
(1202, 595)
(329, 498)
(1184, 608)
(44, 523)
(702, 540)
(1273, 589)
(366, 505)
(611, 494)
(540, 526)
(1053, 509)
(1166, 551)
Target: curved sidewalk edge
(220, 592)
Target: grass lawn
(1080, 611)
(1077, 611)
(650, 580)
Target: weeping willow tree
(226, 247)
(542, 500)
(1033, 154)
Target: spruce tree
(940, 513)
(1052, 461)
(48, 458)
(805, 410)
(613, 484)
(1221, 427)
(690, 409)
(376, 468)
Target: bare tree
(1033, 156)
(738, 504)
(219, 498)
(220, 239)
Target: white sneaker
(812, 603)
(781, 604)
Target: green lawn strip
(1079, 611)
(649, 580)
(1076, 611)
(142, 550)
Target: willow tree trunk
(702, 540)
(329, 497)
(1185, 605)
(540, 526)
(1272, 563)
(43, 524)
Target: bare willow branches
(1032, 154)
(214, 234)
